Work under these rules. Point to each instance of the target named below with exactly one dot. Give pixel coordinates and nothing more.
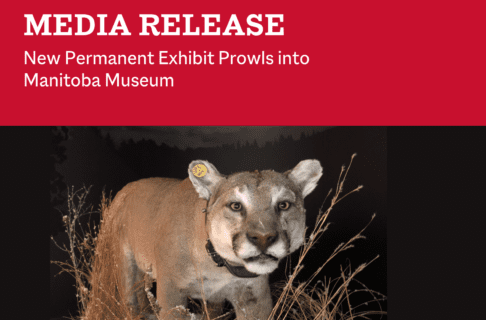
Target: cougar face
(256, 219)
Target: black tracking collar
(237, 271)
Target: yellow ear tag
(199, 170)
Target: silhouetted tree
(57, 184)
(109, 141)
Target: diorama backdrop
(107, 158)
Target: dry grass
(94, 263)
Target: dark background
(435, 223)
(109, 157)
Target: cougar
(211, 236)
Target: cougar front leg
(172, 303)
(252, 301)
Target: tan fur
(163, 232)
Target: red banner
(243, 63)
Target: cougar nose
(262, 240)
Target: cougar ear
(204, 177)
(305, 175)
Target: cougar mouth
(260, 258)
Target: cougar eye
(284, 205)
(235, 206)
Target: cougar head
(255, 218)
